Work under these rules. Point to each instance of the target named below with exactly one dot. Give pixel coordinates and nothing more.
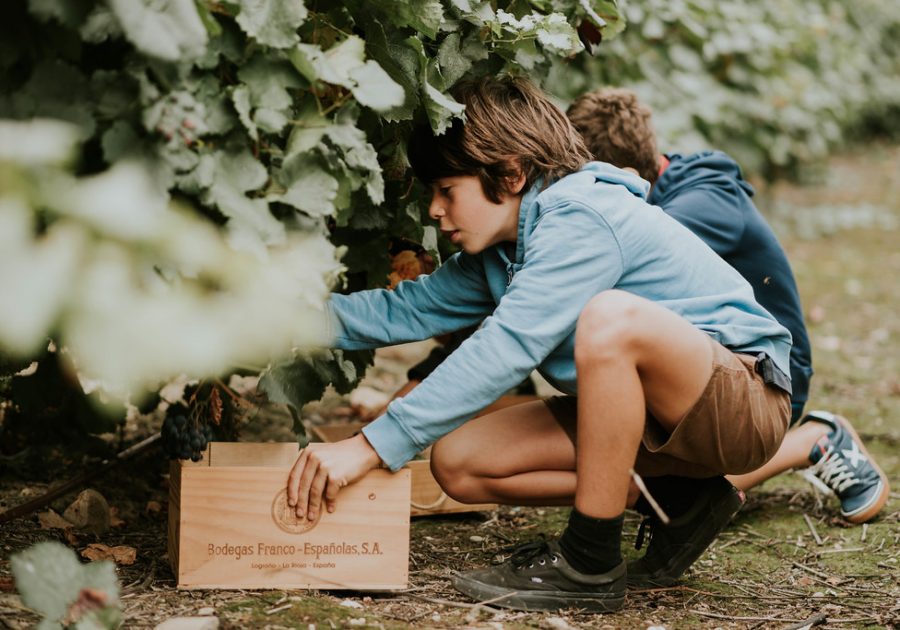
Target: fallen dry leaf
(153, 507)
(121, 554)
(7, 585)
(52, 520)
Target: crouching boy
(671, 365)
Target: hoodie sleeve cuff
(393, 445)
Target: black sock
(592, 545)
(675, 495)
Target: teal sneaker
(842, 466)
(538, 577)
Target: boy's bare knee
(607, 326)
(447, 465)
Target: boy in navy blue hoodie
(676, 367)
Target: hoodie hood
(712, 168)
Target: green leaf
(267, 81)
(272, 22)
(557, 35)
(250, 224)
(303, 379)
(241, 99)
(344, 64)
(56, 90)
(356, 153)
(425, 16)
(50, 577)
(69, 13)
(373, 87)
(452, 61)
(120, 141)
(441, 108)
(401, 64)
(308, 187)
(169, 29)
(100, 25)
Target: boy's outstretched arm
(324, 468)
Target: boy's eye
(445, 190)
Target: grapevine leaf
(170, 30)
(557, 35)
(243, 171)
(375, 88)
(250, 224)
(358, 156)
(113, 94)
(200, 178)
(241, 99)
(303, 379)
(308, 186)
(401, 64)
(56, 90)
(272, 23)
(69, 13)
(441, 109)
(267, 81)
(452, 61)
(220, 118)
(425, 16)
(47, 576)
(50, 578)
(37, 141)
(344, 64)
(120, 141)
(100, 25)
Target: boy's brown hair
(511, 127)
(617, 129)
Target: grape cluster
(183, 438)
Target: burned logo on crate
(285, 517)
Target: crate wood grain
(230, 527)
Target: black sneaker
(676, 546)
(537, 577)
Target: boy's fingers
(331, 492)
(315, 493)
(306, 480)
(293, 482)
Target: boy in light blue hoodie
(671, 365)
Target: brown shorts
(736, 426)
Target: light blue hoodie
(588, 232)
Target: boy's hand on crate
(323, 469)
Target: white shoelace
(832, 469)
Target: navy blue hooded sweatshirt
(706, 193)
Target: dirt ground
(787, 558)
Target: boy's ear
(516, 183)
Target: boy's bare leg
(632, 355)
(625, 346)
(793, 453)
(519, 455)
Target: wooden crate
(229, 525)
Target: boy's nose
(435, 211)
